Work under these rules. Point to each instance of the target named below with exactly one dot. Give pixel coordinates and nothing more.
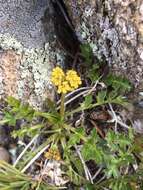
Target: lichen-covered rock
(9, 62)
(25, 73)
(26, 56)
(22, 19)
(113, 28)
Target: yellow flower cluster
(53, 154)
(65, 82)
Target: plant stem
(34, 158)
(62, 107)
(26, 148)
(82, 109)
(86, 170)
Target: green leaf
(76, 137)
(112, 171)
(101, 96)
(74, 177)
(93, 136)
(25, 111)
(91, 152)
(118, 83)
(119, 100)
(19, 110)
(53, 118)
(29, 131)
(88, 101)
(116, 141)
(4, 121)
(11, 120)
(89, 187)
(13, 102)
(93, 73)
(76, 162)
(87, 53)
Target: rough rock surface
(113, 28)
(25, 73)
(22, 19)
(25, 59)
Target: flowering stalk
(65, 82)
(62, 107)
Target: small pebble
(4, 155)
(141, 9)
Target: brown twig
(97, 128)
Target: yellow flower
(73, 79)
(53, 154)
(65, 82)
(57, 76)
(64, 87)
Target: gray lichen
(114, 29)
(22, 20)
(34, 70)
(8, 42)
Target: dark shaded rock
(56, 17)
(5, 138)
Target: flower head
(53, 154)
(57, 76)
(73, 79)
(65, 82)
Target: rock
(5, 138)
(64, 29)
(22, 20)
(26, 57)
(4, 155)
(9, 74)
(114, 29)
(24, 73)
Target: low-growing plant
(57, 139)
